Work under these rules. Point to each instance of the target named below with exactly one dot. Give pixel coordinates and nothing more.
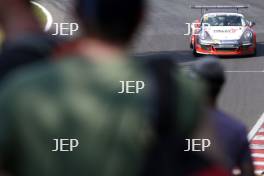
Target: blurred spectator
(232, 133)
(24, 42)
(77, 98)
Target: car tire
(191, 45)
(194, 51)
(255, 52)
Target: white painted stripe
(256, 146)
(259, 163)
(257, 155)
(258, 137)
(236, 172)
(256, 142)
(256, 127)
(47, 13)
(258, 172)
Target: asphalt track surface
(163, 33)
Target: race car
(223, 33)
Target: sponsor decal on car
(225, 30)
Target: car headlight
(204, 37)
(247, 37)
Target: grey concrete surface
(163, 33)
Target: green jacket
(77, 99)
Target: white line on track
(256, 127)
(47, 13)
(249, 71)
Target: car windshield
(224, 20)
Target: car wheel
(255, 52)
(191, 45)
(194, 51)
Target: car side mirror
(252, 23)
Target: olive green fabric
(77, 99)
(190, 103)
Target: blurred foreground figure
(24, 42)
(233, 134)
(83, 116)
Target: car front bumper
(226, 48)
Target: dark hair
(112, 20)
(26, 2)
(212, 72)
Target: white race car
(223, 33)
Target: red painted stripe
(257, 167)
(260, 133)
(257, 151)
(258, 159)
(257, 142)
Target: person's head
(113, 21)
(212, 72)
(11, 6)
(17, 18)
